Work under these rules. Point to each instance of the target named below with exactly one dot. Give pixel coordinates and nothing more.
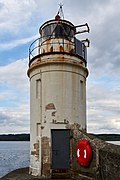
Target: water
(114, 142)
(13, 155)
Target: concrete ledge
(19, 174)
(23, 174)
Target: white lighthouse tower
(57, 72)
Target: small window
(38, 88)
(81, 89)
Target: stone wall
(46, 157)
(105, 164)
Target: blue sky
(19, 25)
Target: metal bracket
(86, 42)
(83, 31)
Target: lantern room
(59, 36)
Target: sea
(16, 154)
(13, 155)
(114, 142)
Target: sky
(19, 25)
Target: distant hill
(108, 137)
(26, 137)
(15, 137)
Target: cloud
(105, 37)
(14, 97)
(14, 75)
(103, 107)
(103, 89)
(18, 42)
(20, 21)
(14, 120)
(15, 15)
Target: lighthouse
(57, 72)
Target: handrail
(38, 45)
(33, 48)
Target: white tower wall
(57, 98)
(57, 95)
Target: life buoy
(84, 153)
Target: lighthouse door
(60, 149)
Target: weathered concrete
(19, 174)
(23, 174)
(105, 164)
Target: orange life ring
(84, 153)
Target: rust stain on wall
(51, 49)
(50, 106)
(61, 49)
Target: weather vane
(60, 11)
(60, 4)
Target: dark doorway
(60, 149)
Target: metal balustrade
(61, 45)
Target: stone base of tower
(53, 153)
(104, 163)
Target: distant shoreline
(14, 137)
(107, 137)
(26, 137)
